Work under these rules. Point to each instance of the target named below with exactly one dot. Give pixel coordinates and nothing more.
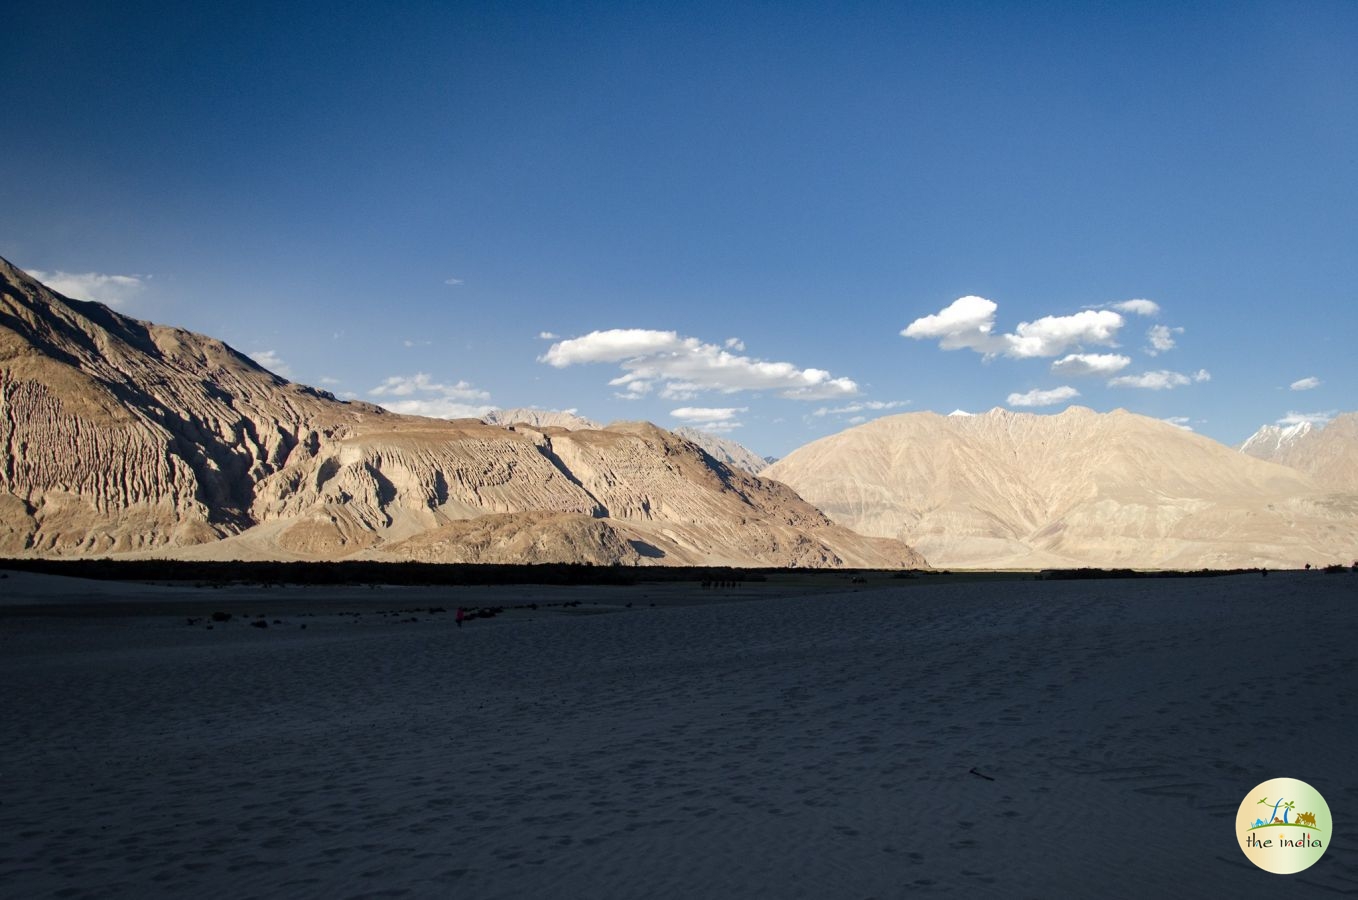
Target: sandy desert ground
(779, 741)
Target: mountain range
(732, 453)
(126, 437)
(1326, 451)
(1080, 488)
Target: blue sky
(399, 203)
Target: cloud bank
(710, 418)
(969, 323)
(422, 396)
(1312, 418)
(1101, 364)
(860, 406)
(1139, 307)
(1043, 398)
(1160, 380)
(684, 367)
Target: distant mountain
(1327, 452)
(1271, 441)
(124, 437)
(540, 418)
(724, 450)
(1074, 489)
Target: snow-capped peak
(1271, 439)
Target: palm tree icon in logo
(1273, 816)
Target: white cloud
(1160, 380)
(437, 408)
(326, 379)
(860, 406)
(421, 383)
(710, 418)
(1043, 398)
(1139, 307)
(823, 387)
(735, 344)
(680, 390)
(858, 420)
(636, 387)
(717, 427)
(547, 336)
(1314, 418)
(1179, 422)
(686, 366)
(422, 396)
(708, 413)
(1051, 335)
(112, 290)
(1161, 339)
(613, 345)
(452, 281)
(1101, 364)
(1306, 384)
(273, 362)
(969, 322)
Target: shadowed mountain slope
(725, 450)
(121, 436)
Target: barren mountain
(539, 418)
(121, 436)
(725, 450)
(1327, 452)
(1078, 488)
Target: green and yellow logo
(1284, 826)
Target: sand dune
(819, 745)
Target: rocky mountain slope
(1328, 452)
(725, 450)
(1077, 488)
(121, 436)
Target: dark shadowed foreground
(1001, 739)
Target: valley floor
(970, 737)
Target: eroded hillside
(126, 437)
